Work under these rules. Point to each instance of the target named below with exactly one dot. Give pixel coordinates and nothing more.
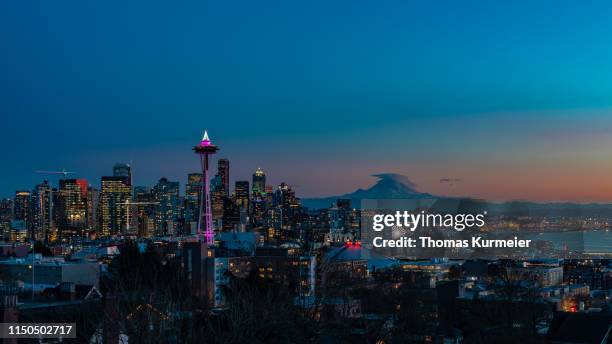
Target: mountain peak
(388, 186)
(395, 178)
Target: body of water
(599, 241)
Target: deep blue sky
(319, 93)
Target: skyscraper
(194, 184)
(258, 210)
(21, 223)
(287, 214)
(241, 194)
(6, 216)
(193, 189)
(42, 212)
(217, 198)
(22, 208)
(167, 213)
(231, 215)
(258, 206)
(204, 149)
(223, 172)
(93, 201)
(123, 170)
(144, 212)
(71, 207)
(259, 182)
(115, 193)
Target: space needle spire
(204, 149)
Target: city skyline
(513, 100)
(384, 172)
(442, 184)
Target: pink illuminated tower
(204, 149)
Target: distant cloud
(396, 177)
(450, 181)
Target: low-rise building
(41, 272)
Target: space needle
(204, 149)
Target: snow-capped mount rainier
(397, 186)
(389, 185)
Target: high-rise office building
(93, 201)
(258, 206)
(193, 190)
(259, 182)
(285, 196)
(223, 172)
(349, 217)
(340, 215)
(241, 194)
(143, 214)
(194, 185)
(42, 212)
(168, 209)
(71, 208)
(274, 222)
(123, 170)
(217, 198)
(6, 216)
(258, 210)
(287, 212)
(22, 208)
(231, 215)
(115, 194)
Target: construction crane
(128, 205)
(63, 172)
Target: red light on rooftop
(353, 243)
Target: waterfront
(599, 241)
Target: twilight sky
(514, 98)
